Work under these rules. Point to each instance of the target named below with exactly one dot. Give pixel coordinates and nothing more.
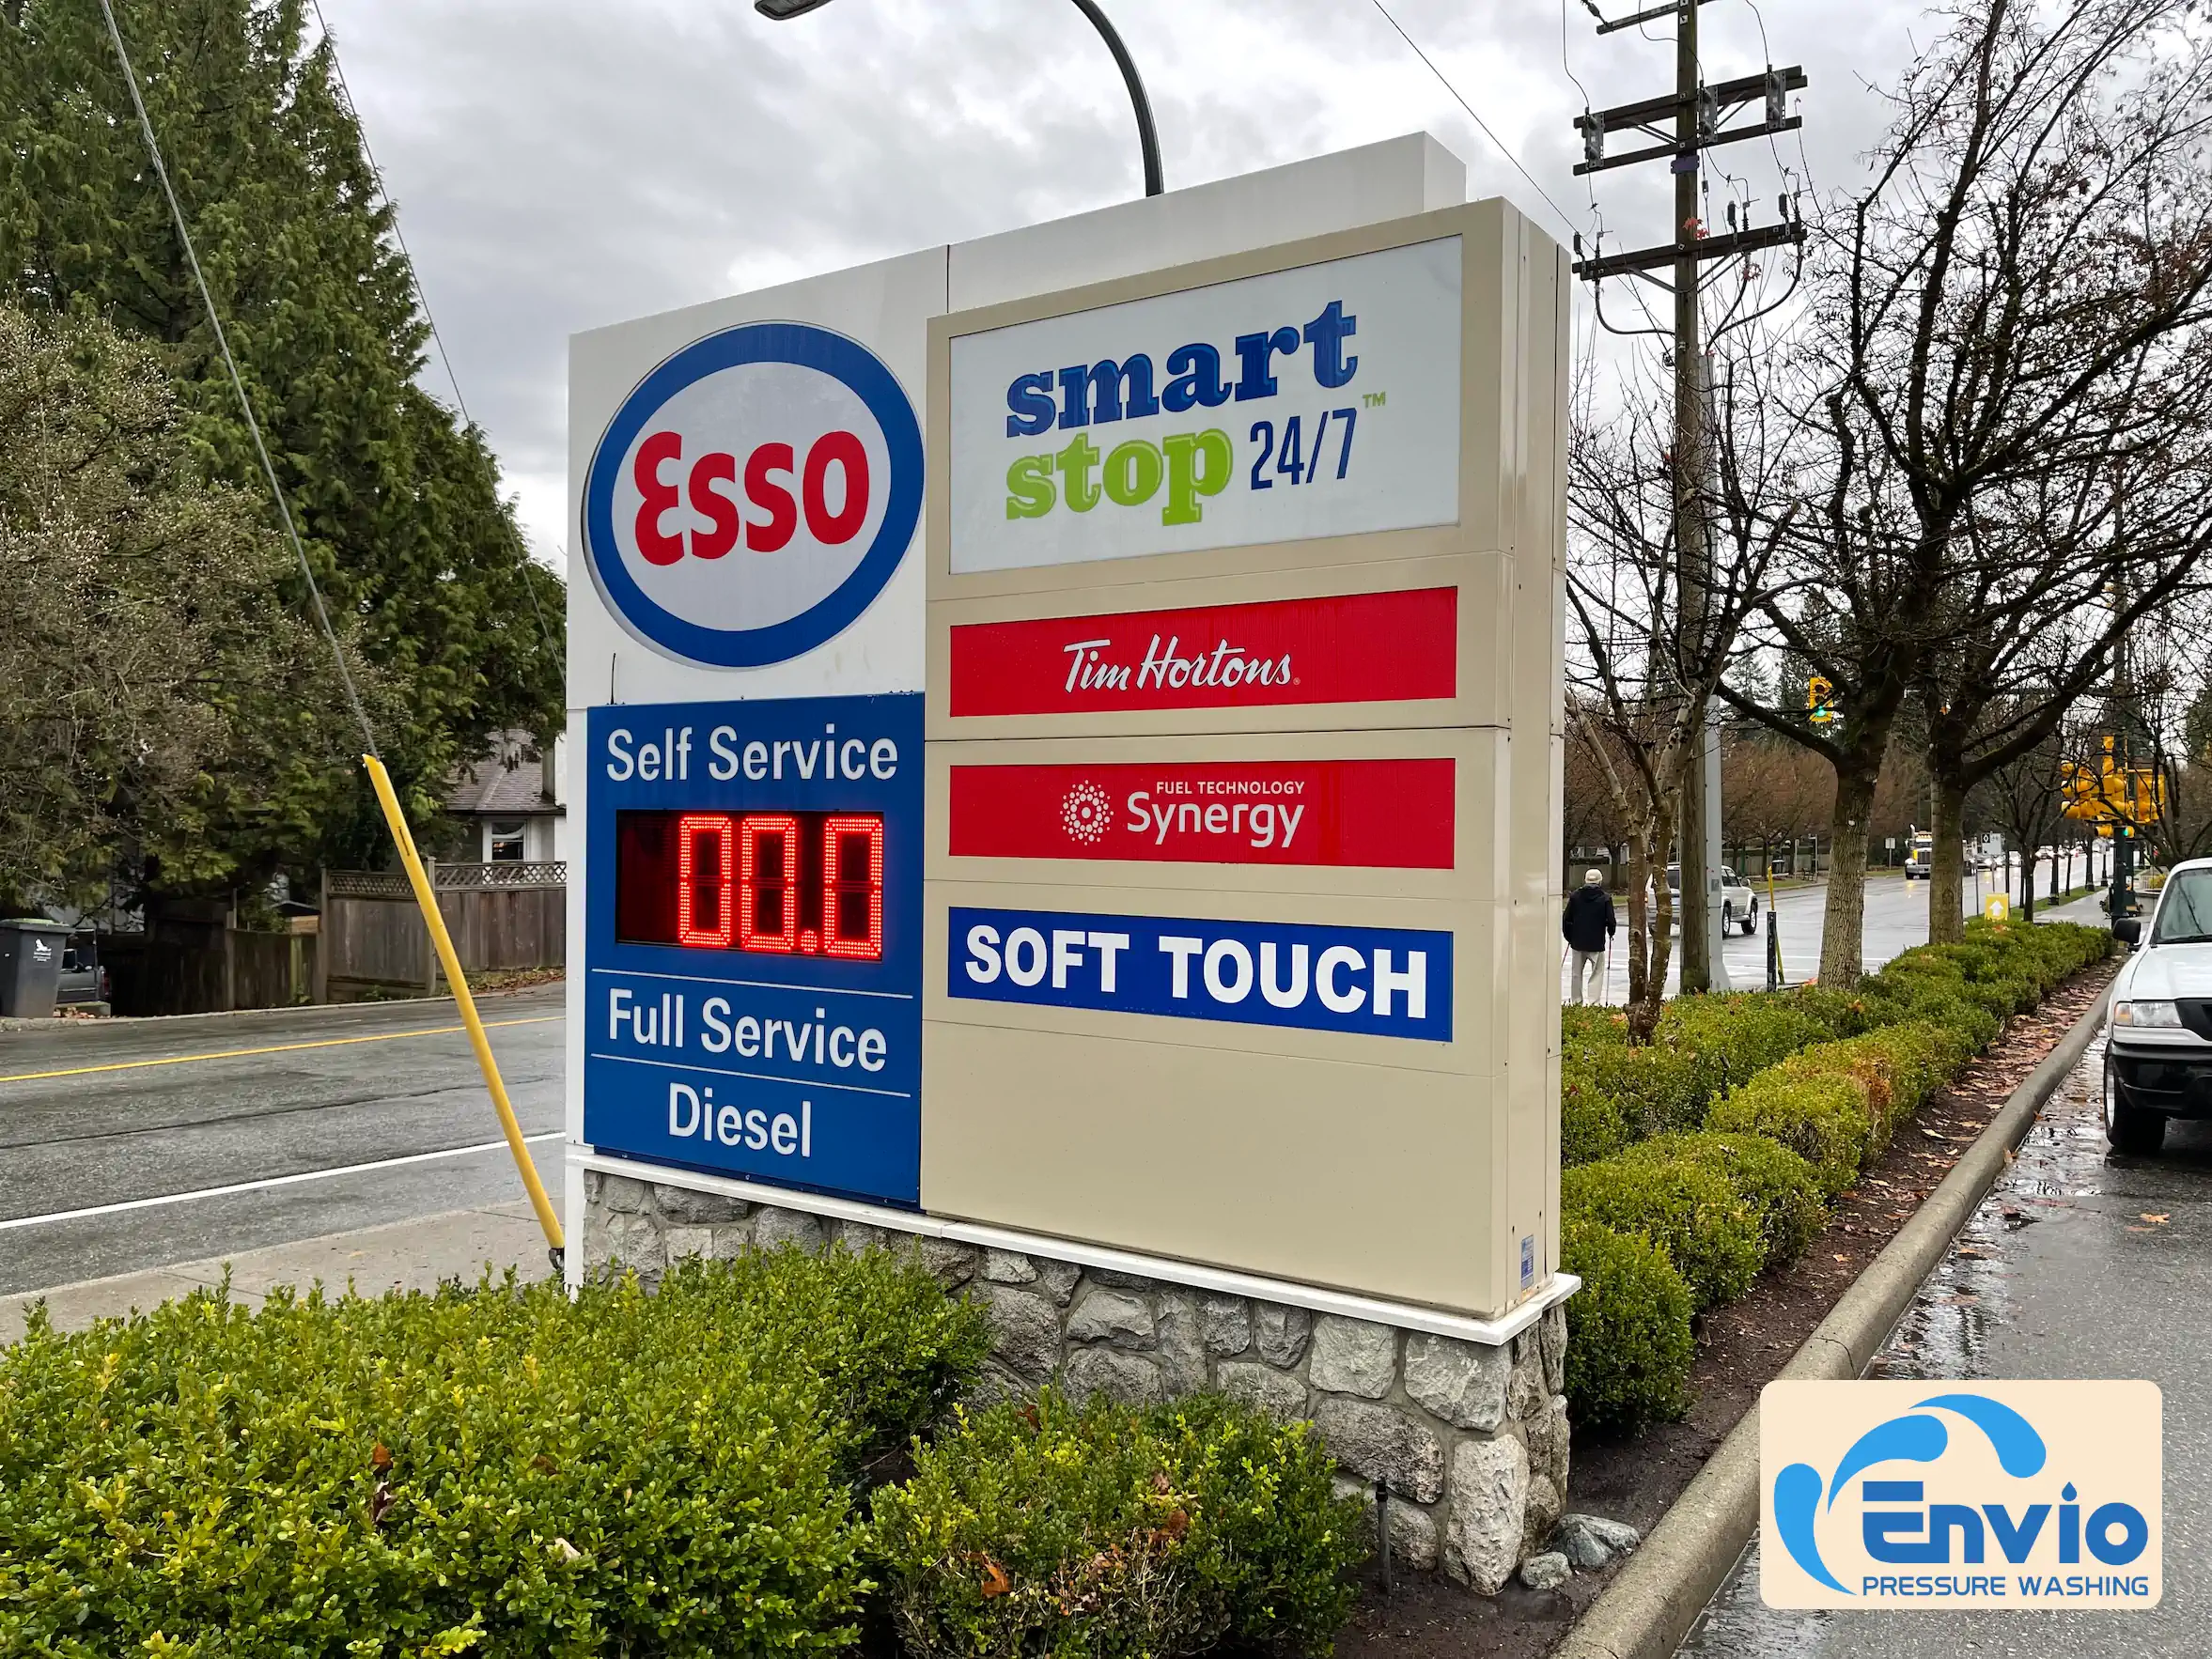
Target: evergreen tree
(398, 504)
(162, 706)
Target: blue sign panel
(1378, 981)
(754, 932)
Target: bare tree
(1644, 683)
(2006, 317)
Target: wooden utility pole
(1700, 116)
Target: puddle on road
(1946, 1331)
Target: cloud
(563, 163)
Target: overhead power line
(238, 383)
(414, 275)
(1496, 143)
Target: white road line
(185, 1197)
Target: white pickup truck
(1739, 900)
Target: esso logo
(753, 495)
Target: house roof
(508, 781)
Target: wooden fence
(510, 914)
(193, 958)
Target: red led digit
(704, 852)
(767, 882)
(852, 887)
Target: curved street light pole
(1147, 137)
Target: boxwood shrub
(1691, 1212)
(1777, 1185)
(1105, 1531)
(495, 1469)
(1835, 1104)
(1629, 1341)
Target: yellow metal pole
(450, 961)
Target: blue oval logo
(754, 494)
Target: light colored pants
(1580, 963)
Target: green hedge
(1628, 1344)
(1692, 1212)
(1835, 1104)
(1612, 1095)
(495, 1469)
(1108, 1532)
(1779, 1186)
(1654, 1207)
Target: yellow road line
(125, 1065)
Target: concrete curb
(1647, 1610)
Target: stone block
(623, 1193)
(775, 1227)
(1262, 1385)
(1551, 1346)
(860, 1237)
(1525, 1395)
(1546, 1572)
(1281, 1332)
(1119, 1281)
(1412, 1529)
(697, 1209)
(1056, 1278)
(1008, 1267)
(950, 1264)
(680, 1242)
(1550, 1439)
(1181, 1345)
(1414, 1536)
(1102, 1315)
(1384, 1444)
(1353, 1356)
(1228, 1322)
(1463, 1383)
(633, 1242)
(1591, 1541)
(1128, 1378)
(1542, 1514)
(1025, 1329)
(994, 1385)
(1490, 1500)
(732, 1239)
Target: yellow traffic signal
(1819, 708)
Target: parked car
(1739, 900)
(82, 979)
(2158, 1023)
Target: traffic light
(1819, 706)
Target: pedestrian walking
(1587, 925)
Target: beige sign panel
(1241, 897)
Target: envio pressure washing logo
(2032, 1494)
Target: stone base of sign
(1468, 1438)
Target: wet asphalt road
(106, 1137)
(2105, 1270)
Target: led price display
(773, 883)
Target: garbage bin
(30, 965)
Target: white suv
(1739, 900)
(2158, 1027)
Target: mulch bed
(1741, 1348)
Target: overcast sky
(563, 163)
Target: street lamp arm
(1147, 137)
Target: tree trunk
(1648, 945)
(1844, 926)
(2027, 885)
(1946, 885)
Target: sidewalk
(405, 1255)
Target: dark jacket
(1588, 921)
